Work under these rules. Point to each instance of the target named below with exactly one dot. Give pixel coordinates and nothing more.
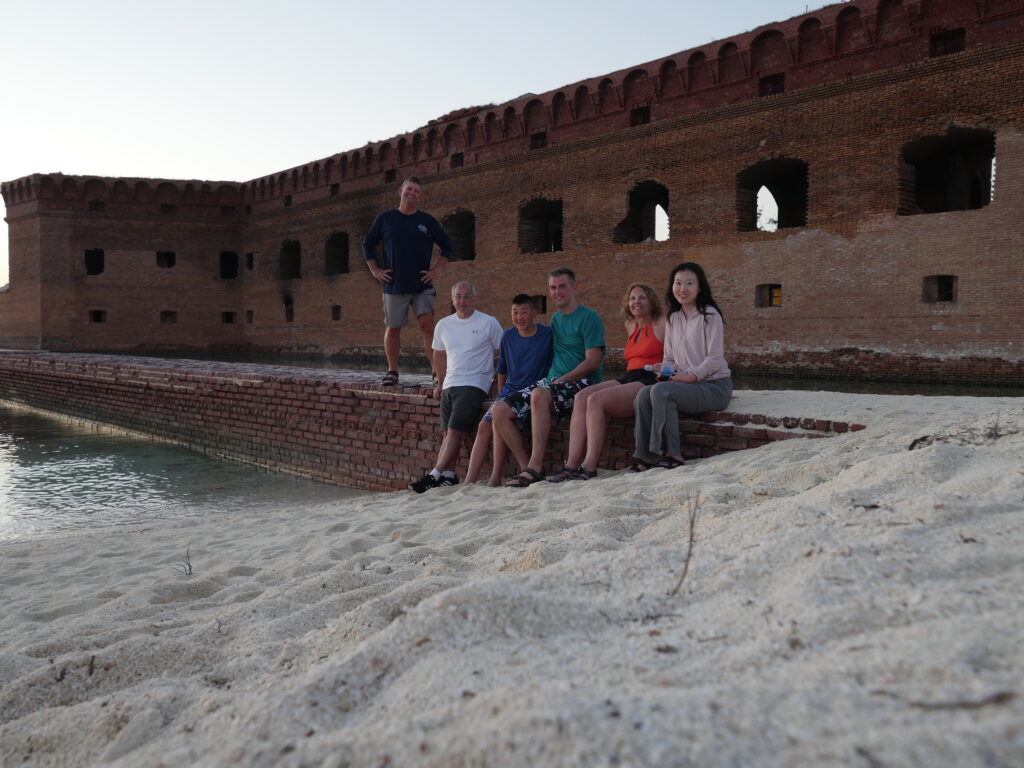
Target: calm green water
(58, 478)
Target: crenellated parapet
(42, 192)
(833, 43)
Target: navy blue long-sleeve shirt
(407, 245)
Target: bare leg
(579, 424)
(484, 435)
(500, 453)
(392, 346)
(613, 401)
(540, 417)
(509, 433)
(449, 453)
(426, 323)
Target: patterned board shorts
(563, 396)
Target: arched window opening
(769, 52)
(291, 260)
(947, 173)
(730, 65)
(785, 179)
(699, 72)
(767, 211)
(641, 222)
(583, 103)
(540, 226)
(509, 122)
(606, 96)
(892, 21)
(560, 109)
(670, 83)
(850, 32)
(336, 254)
(535, 116)
(811, 43)
(461, 228)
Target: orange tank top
(643, 348)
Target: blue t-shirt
(407, 245)
(574, 335)
(523, 359)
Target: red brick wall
(313, 423)
(851, 278)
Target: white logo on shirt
(422, 228)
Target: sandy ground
(848, 602)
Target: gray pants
(657, 408)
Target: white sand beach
(847, 602)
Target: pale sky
(226, 90)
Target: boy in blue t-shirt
(523, 358)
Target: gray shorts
(396, 306)
(460, 408)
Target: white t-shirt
(469, 345)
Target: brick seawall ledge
(332, 425)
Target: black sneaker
(446, 481)
(425, 483)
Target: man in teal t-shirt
(577, 363)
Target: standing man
(464, 346)
(407, 236)
(577, 363)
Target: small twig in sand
(184, 567)
(693, 508)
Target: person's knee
(426, 323)
(540, 397)
(501, 410)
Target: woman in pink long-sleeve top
(701, 380)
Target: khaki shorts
(396, 306)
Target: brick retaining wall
(331, 425)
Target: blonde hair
(652, 300)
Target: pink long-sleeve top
(697, 343)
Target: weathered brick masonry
(851, 104)
(316, 423)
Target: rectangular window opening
(287, 201)
(97, 316)
(228, 265)
(248, 210)
(97, 206)
(228, 318)
(389, 176)
(94, 261)
(248, 316)
(456, 160)
(768, 295)
(541, 302)
(250, 260)
(335, 190)
(538, 140)
(639, 116)
(769, 85)
(335, 312)
(947, 42)
(168, 209)
(227, 210)
(165, 259)
(168, 316)
(939, 288)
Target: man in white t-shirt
(464, 347)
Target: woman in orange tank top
(645, 332)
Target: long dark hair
(704, 297)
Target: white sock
(449, 473)
(435, 474)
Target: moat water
(59, 477)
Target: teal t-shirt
(573, 335)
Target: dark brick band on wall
(328, 425)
